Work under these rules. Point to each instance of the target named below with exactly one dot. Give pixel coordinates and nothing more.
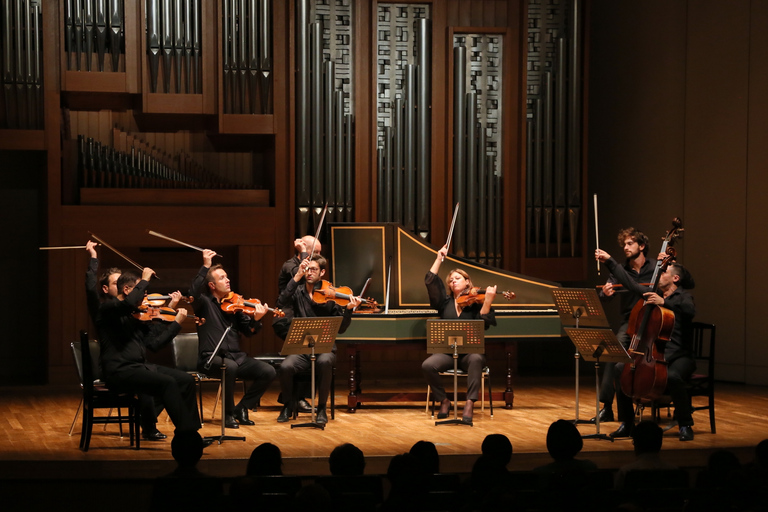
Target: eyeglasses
(312, 269)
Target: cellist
(672, 293)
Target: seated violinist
(209, 288)
(448, 305)
(299, 299)
(672, 294)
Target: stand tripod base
(598, 436)
(221, 439)
(581, 422)
(454, 422)
(312, 424)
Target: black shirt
(446, 305)
(296, 298)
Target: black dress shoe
(285, 415)
(445, 407)
(605, 416)
(322, 416)
(304, 406)
(241, 415)
(624, 430)
(686, 434)
(156, 435)
(229, 422)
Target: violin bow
(63, 247)
(126, 258)
(597, 232)
(317, 232)
(453, 225)
(160, 235)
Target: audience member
(425, 453)
(647, 438)
(497, 448)
(407, 489)
(346, 460)
(265, 460)
(563, 444)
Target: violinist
(303, 247)
(297, 297)
(209, 287)
(123, 342)
(98, 291)
(672, 293)
(448, 306)
(640, 269)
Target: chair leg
(77, 414)
(426, 404)
(482, 393)
(490, 395)
(85, 433)
(712, 413)
(215, 403)
(200, 400)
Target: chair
(185, 357)
(462, 373)
(99, 397)
(702, 382)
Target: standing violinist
(448, 307)
(671, 294)
(634, 243)
(209, 287)
(299, 298)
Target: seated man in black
(671, 294)
(209, 287)
(298, 297)
(124, 340)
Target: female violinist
(209, 288)
(448, 306)
(672, 294)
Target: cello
(650, 327)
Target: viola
(476, 295)
(152, 309)
(234, 302)
(341, 295)
(650, 327)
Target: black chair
(702, 382)
(99, 397)
(185, 355)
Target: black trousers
(608, 384)
(173, 388)
(471, 363)
(260, 373)
(679, 373)
(297, 363)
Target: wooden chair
(99, 397)
(461, 373)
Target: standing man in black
(124, 340)
(298, 297)
(209, 287)
(639, 268)
(671, 294)
(303, 246)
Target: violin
(476, 295)
(341, 295)
(234, 302)
(152, 309)
(650, 327)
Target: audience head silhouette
(563, 440)
(265, 460)
(347, 460)
(647, 437)
(497, 449)
(187, 448)
(425, 452)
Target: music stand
(579, 306)
(446, 337)
(223, 437)
(311, 336)
(594, 344)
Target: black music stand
(223, 437)
(447, 337)
(314, 335)
(579, 307)
(594, 344)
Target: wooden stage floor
(35, 421)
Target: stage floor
(35, 422)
